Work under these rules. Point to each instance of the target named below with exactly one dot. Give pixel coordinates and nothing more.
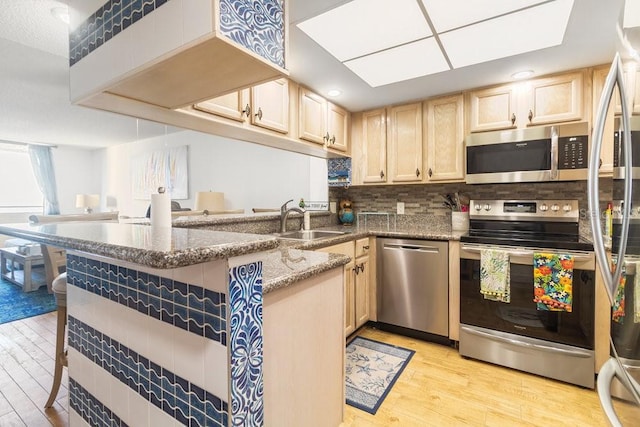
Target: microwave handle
(611, 280)
(554, 153)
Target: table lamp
(209, 200)
(87, 202)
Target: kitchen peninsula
(184, 326)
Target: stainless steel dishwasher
(413, 284)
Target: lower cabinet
(357, 280)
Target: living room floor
(437, 388)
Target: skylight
(384, 44)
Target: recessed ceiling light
(522, 74)
(61, 13)
(334, 92)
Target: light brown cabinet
(606, 152)
(357, 281)
(267, 106)
(444, 129)
(322, 122)
(530, 103)
(369, 147)
(404, 150)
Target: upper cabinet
(405, 143)
(265, 105)
(322, 122)
(444, 128)
(534, 102)
(205, 49)
(420, 142)
(369, 147)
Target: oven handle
(475, 249)
(549, 349)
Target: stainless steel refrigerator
(619, 378)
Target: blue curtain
(42, 164)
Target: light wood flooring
(438, 388)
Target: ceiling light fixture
(61, 13)
(334, 92)
(522, 74)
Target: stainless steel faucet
(284, 213)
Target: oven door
(521, 316)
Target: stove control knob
(544, 207)
(566, 208)
(555, 208)
(478, 207)
(487, 207)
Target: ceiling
(34, 98)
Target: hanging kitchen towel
(494, 275)
(552, 281)
(617, 310)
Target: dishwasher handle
(411, 247)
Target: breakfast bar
(173, 326)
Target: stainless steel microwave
(544, 153)
(618, 153)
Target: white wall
(248, 174)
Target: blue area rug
(16, 305)
(372, 368)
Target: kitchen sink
(309, 234)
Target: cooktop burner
(549, 224)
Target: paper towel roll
(209, 200)
(160, 210)
(160, 238)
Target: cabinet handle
(333, 140)
(530, 116)
(362, 267)
(430, 172)
(600, 164)
(326, 137)
(247, 110)
(513, 119)
(417, 172)
(259, 113)
(366, 248)
(381, 174)
(355, 269)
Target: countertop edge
(335, 260)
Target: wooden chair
(55, 272)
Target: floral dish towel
(553, 281)
(618, 301)
(494, 275)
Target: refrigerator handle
(607, 373)
(611, 281)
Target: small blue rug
(372, 368)
(16, 305)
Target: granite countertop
(142, 244)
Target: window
(19, 191)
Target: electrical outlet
(400, 208)
(332, 207)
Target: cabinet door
(233, 106)
(555, 99)
(606, 153)
(445, 139)
(270, 105)
(338, 128)
(405, 143)
(374, 146)
(493, 108)
(349, 297)
(312, 119)
(633, 86)
(361, 297)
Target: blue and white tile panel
(179, 398)
(255, 25)
(107, 22)
(186, 306)
(90, 409)
(246, 344)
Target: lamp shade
(87, 200)
(209, 200)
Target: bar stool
(59, 287)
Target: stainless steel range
(529, 331)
